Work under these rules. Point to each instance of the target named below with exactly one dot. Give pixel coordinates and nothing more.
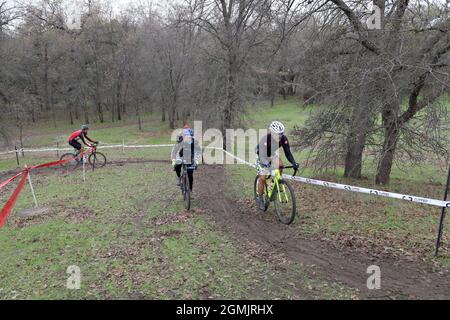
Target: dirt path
(401, 278)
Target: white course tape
(151, 146)
(333, 185)
(240, 160)
(44, 150)
(8, 152)
(101, 147)
(431, 202)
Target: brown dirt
(401, 278)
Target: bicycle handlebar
(290, 167)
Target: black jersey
(264, 149)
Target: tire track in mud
(400, 278)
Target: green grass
(108, 226)
(288, 111)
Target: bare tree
(393, 72)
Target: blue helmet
(188, 132)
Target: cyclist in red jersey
(74, 139)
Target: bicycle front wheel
(69, 161)
(97, 160)
(285, 205)
(186, 193)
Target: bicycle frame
(89, 151)
(184, 170)
(275, 178)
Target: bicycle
(95, 159)
(185, 189)
(281, 193)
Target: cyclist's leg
(77, 146)
(263, 176)
(262, 181)
(178, 173)
(190, 173)
(178, 170)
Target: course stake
(32, 189)
(441, 224)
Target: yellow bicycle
(279, 191)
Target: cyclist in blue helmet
(186, 148)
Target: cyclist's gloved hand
(174, 163)
(296, 166)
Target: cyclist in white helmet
(267, 154)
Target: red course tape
(13, 199)
(3, 184)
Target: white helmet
(277, 127)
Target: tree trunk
(52, 106)
(70, 107)
(185, 117)
(100, 111)
(272, 87)
(172, 115)
(232, 96)
(124, 98)
(356, 141)
(46, 80)
(353, 159)
(119, 111)
(138, 113)
(163, 114)
(86, 112)
(392, 131)
(387, 158)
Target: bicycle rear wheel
(71, 162)
(97, 160)
(285, 204)
(265, 196)
(186, 193)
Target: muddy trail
(400, 278)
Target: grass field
(126, 230)
(131, 240)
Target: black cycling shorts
(75, 144)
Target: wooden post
(84, 158)
(17, 156)
(441, 224)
